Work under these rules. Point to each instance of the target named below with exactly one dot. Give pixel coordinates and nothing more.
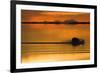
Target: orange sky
(29, 15)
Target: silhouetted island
(75, 41)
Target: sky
(29, 15)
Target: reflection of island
(58, 22)
(75, 42)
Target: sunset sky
(29, 15)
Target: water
(54, 33)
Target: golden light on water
(55, 57)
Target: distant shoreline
(55, 22)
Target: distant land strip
(55, 22)
(46, 42)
